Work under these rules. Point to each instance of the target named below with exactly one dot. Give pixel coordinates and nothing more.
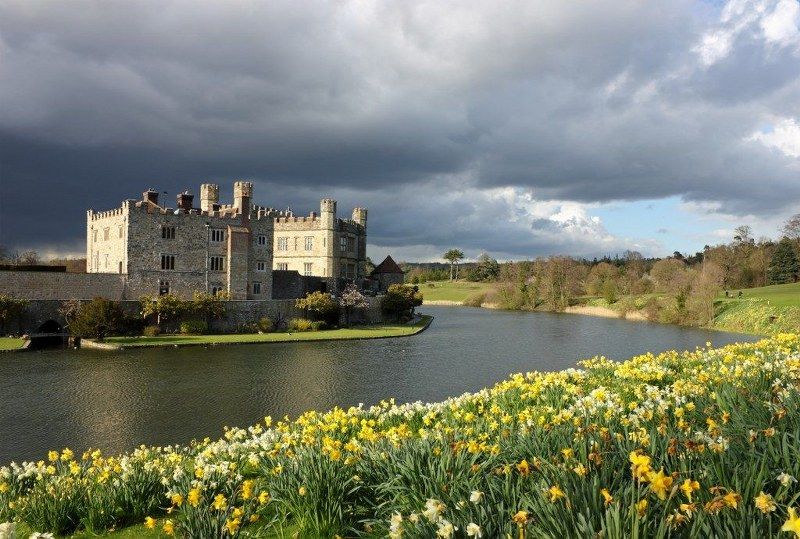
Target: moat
(118, 400)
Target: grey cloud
(585, 103)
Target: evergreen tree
(783, 267)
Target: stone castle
(235, 248)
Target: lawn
(452, 290)
(366, 332)
(780, 295)
(11, 343)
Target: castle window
(351, 271)
(106, 261)
(217, 234)
(168, 232)
(283, 266)
(262, 240)
(216, 289)
(120, 232)
(309, 242)
(163, 288)
(307, 268)
(261, 266)
(105, 234)
(351, 244)
(167, 262)
(94, 235)
(283, 244)
(216, 263)
(296, 242)
(120, 266)
(256, 288)
(343, 244)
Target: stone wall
(237, 313)
(49, 285)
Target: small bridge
(49, 335)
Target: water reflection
(116, 401)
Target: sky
(516, 128)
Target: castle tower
(360, 216)
(209, 195)
(242, 194)
(327, 215)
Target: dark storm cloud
(447, 113)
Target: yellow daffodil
(792, 524)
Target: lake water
(118, 400)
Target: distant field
(780, 295)
(10, 343)
(452, 290)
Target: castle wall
(47, 285)
(237, 313)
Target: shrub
(151, 331)
(400, 301)
(299, 324)
(320, 306)
(194, 327)
(97, 319)
(265, 325)
(318, 325)
(475, 300)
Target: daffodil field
(693, 444)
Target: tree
(10, 309)
(167, 307)
(487, 268)
(209, 306)
(96, 319)
(791, 228)
(320, 306)
(453, 256)
(352, 299)
(783, 266)
(400, 300)
(30, 257)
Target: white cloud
(780, 25)
(784, 136)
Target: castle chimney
(242, 193)
(151, 195)
(209, 197)
(185, 201)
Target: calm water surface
(118, 400)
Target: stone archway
(49, 334)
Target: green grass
(140, 532)
(11, 343)
(780, 295)
(452, 290)
(366, 332)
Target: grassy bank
(452, 291)
(11, 343)
(361, 332)
(681, 444)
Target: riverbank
(380, 331)
(707, 445)
(762, 311)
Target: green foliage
(783, 266)
(266, 325)
(194, 327)
(96, 319)
(453, 256)
(320, 306)
(10, 310)
(300, 324)
(400, 300)
(475, 300)
(209, 306)
(167, 307)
